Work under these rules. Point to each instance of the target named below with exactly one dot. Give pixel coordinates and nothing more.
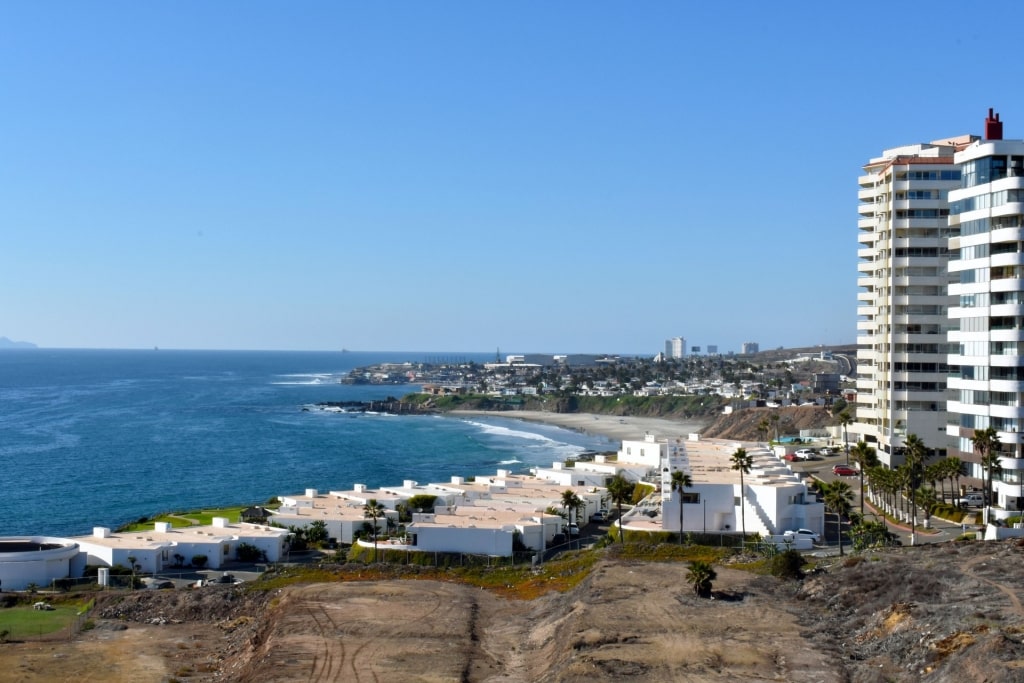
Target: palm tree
(680, 480)
(570, 503)
(927, 499)
(915, 454)
(864, 456)
(374, 511)
(954, 466)
(845, 420)
(620, 490)
(837, 497)
(987, 446)
(742, 461)
(774, 420)
(700, 576)
(763, 428)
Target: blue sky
(535, 176)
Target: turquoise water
(97, 438)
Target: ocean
(102, 437)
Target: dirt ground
(949, 612)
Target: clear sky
(463, 176)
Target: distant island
(6, 343)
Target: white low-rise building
(39, 560)
(476, 530)
(773, 498)
(164, 546)
(342, 512)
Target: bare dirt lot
(949, 612)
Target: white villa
(774, 499)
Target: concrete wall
(480, 541)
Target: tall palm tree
(987, 446)
(837, 497)
(742, 461)
(763, 428)
(774, 420)
(373, 511)
(845, 420)
(954, 467)
(620, 490)
(914, 455)
(927, 499)
(864, 456)
(570, 503)
(680, 480)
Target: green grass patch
(186, 519)
(25, 622)
(670, 552)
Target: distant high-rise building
(675, 347)
(903, 298)
(986, 335)
(712, 349)
(749, 347)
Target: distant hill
(6, 343)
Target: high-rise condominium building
(903, 298)
(675, 347)
(749, 347)
(987, 333)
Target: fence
(26, 624)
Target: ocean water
(98, 438)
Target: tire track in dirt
(1015, 604)
(336, 632)
(323, 668)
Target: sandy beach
(615, 427)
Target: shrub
(199, 561)
(247, 552)
(788, 565)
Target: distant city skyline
(546, 178)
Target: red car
(844, 471)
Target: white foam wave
(509, 432)
(513, 461)
(305, 379)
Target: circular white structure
(26, 560)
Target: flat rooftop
(709, 462)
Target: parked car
(573, 529)
(801, 533)
(805, 454)
(790, 457)
(598, 517)
(844, 471)
(974, 498)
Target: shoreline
(613, 427)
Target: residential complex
(987, 332)
(903, 299)
(484, 515)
